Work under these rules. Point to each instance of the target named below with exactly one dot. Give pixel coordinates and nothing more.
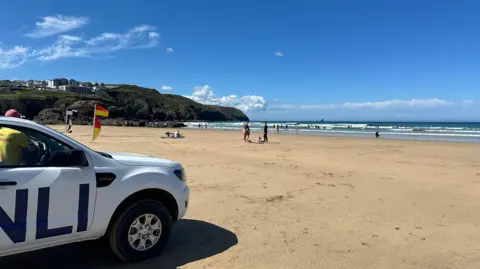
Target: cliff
(125, 103)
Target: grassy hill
(124, 101)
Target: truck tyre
(141, 231)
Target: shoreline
(444, 131)
(271, 134)
(371, 134)
(450, 134)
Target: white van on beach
(66, 192)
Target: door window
(24, 147)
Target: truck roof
(18, 120)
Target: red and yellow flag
(100, 111)
(97, 127)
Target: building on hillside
(97, 86)
(86, 84)
(76, 89)
(36, 84)
(40, 83)
(19, 83)
(55, 83)
(73, 82)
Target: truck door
(42, 205)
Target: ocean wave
(362, 129)
(396, 133)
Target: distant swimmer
(377, 135)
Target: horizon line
(378, 121)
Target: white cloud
(166, 88)
(278, 54)
(73, 46)
(399, 103)
(53, 25)
(469, 102)
(14, 57)
(396, 103)
(248, 103)
(153, 35)
(252, 103)
(170, 50)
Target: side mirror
(78, 158)
(68, 158)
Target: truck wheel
(141, 231)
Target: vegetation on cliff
(127, 102)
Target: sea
(440, 131)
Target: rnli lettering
(16, 228)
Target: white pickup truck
(64, 192)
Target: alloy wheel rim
(145, 232)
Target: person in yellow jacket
(12, 143)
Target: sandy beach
(310, 201)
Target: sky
(370, 60)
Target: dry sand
(315, 202)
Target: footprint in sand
(275, 198)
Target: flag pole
(93, 124)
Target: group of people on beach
(246, 134)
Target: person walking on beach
(246, 132)
(377, 135)
(265, 133)
(278, 129)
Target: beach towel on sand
(172, 137)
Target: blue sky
(291, 60)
